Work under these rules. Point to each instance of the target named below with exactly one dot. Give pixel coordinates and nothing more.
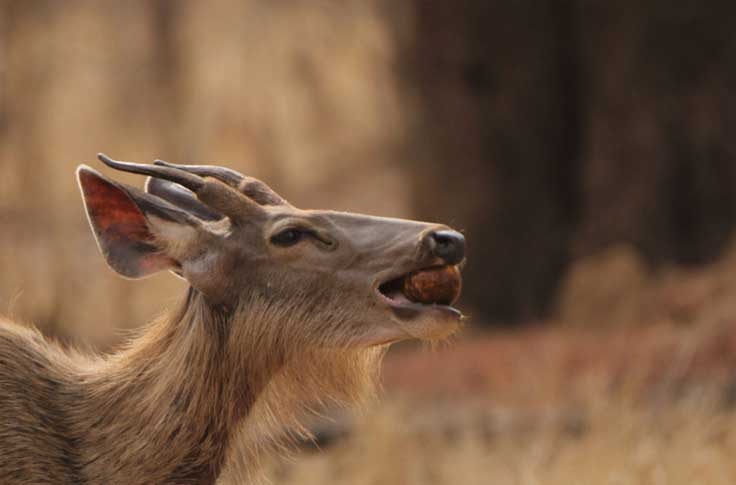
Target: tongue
(397, 295)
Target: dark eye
(287, 237)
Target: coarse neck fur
(208, 387)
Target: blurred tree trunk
(661, 170)
(553, 129)
(500, 104)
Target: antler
(253, 188)
(216, 195)
(223, 174)
(188, 180)
(181, 197)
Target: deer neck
(164, 410)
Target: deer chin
(428, 328)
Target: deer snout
(447, 245)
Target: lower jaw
(410, 311)
(430, 323)
(432, 330)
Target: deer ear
(131, 227)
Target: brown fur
(268, 330)
(166, 408)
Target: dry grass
(609, 428)
(603, 442)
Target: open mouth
(435, 287)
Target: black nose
(448, 245)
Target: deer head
(234, 240)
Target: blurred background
(581, 145)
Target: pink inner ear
(121, 228)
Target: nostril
(449, 245)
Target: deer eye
(287, 237)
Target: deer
(285, 309)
